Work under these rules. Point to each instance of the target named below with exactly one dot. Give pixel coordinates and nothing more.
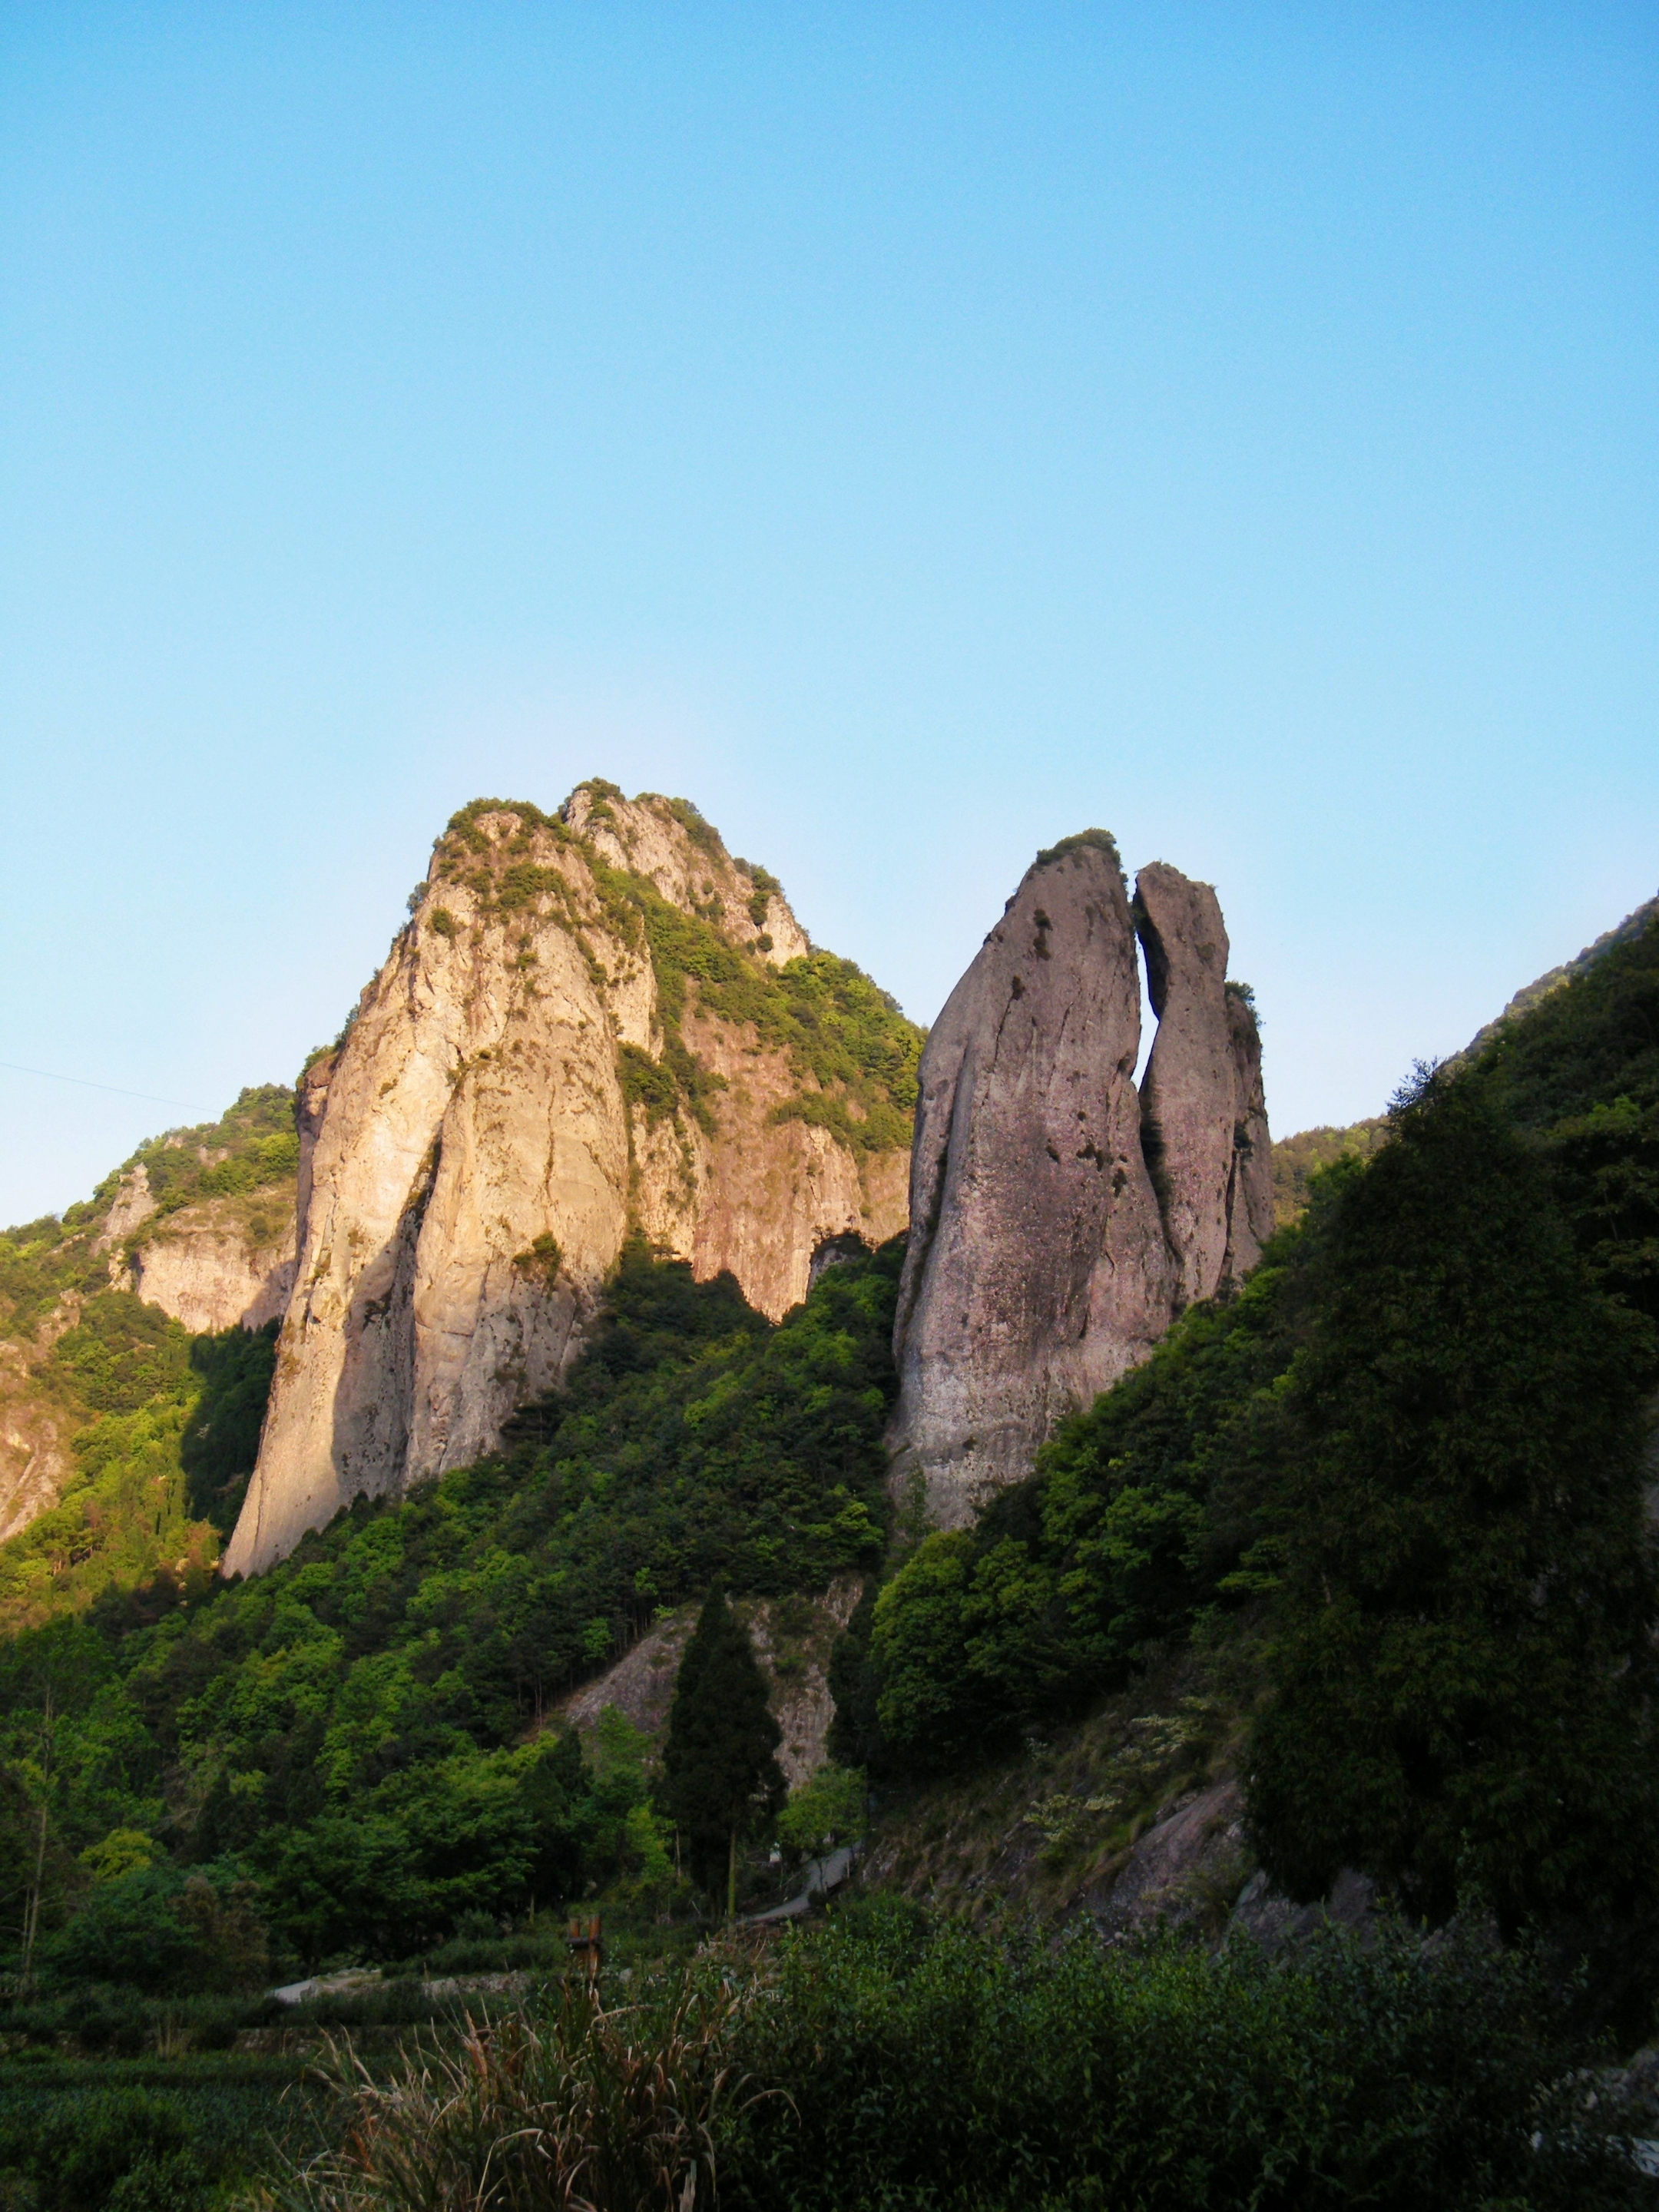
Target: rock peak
(1060, 1219)
(1036, 1272)
(595, 1020)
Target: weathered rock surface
(1058, 1219)
(1205, 1129)
(1187, 1866)
(1038, 1270)
(224, 1262)
(132, 1205)
(535, 1068)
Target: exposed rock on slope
(230, 1260)
(793, 1638)
(1045, 1258)
(595, 1020)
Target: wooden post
(582, 1939)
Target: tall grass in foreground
(589, 2108)
(892, 2060)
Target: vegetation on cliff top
(250, 1147)
(854, 1052)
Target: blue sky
(911, 433)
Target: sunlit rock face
(1060, 1218)
(501, 1111)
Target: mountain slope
(195, 1230)
(594, 1022)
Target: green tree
(827, 1810)
(720, 1777)
(1460, 1664)
(221, 1441)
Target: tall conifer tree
(1460, 1659)
(720, 1777)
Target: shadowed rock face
(1251, 1196)
(1059, 1219)
(1205, 1126)
(1038, 1270)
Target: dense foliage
(1297, 1160)
(1412, 1447)
(1458, 1662)
(892, 2059)
(221, 1441)
(125, 1382)
(167, 2137)
(357, 1730)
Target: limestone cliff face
(225, 1262)
(1038, 1270)
(583, 1027)
(1060, 1219)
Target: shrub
(892, 2059)
(927, 2064)
(128, 2150)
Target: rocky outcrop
(132, 1205)
(1204, 1129)
(792, 1638)
(580, 1031)
(1060, 1219)
(1038, 1270)
(225, 1262)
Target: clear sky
(911, 433)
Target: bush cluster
(891, 2059)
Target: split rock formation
(1060, 1218)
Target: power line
(114, 1088)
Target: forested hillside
(145, 1435)
(1399, 1479)
(358, 1732)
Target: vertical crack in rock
(1037, 1270)
(1058, 1219)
